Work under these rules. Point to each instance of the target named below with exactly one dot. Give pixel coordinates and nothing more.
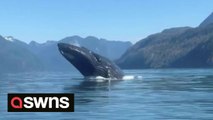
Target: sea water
(144, 94)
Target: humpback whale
(89, 63)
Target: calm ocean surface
(159, 94)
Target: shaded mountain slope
(177, 47)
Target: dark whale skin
(88, 63)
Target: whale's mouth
(67, 50)
(89, 63)
(71, 49)
(69, 56)
(78, 57)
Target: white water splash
(131, 77)
(103, 79)
(128, 77)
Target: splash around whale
(90, 64)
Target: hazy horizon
(40, 21)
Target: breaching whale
(88, 63)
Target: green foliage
(177, 47)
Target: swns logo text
(51, 102)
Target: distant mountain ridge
(207, 21)
(110, 49)
(182, 47)
(17, 56)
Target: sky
(123, 20)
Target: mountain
(52, 60)
(110, 49)
(49, 56)
(182, 47)
(207, 21)
(15, 57)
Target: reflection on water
(161, 94)
(86, 90)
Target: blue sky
(125, 20)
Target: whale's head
(89, 63)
